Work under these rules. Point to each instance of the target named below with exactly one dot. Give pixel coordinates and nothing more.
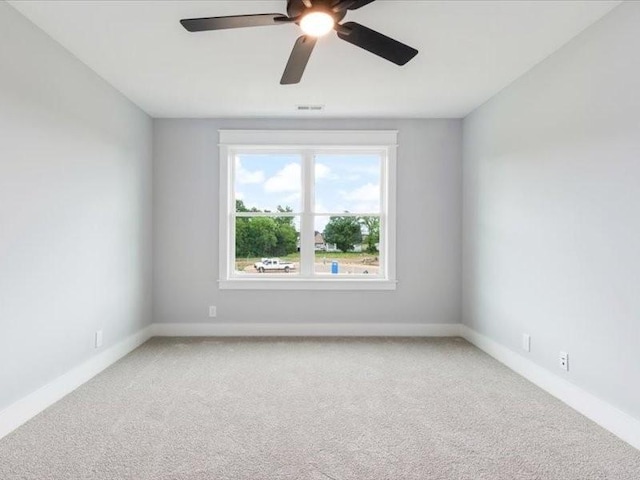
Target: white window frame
(309, 141)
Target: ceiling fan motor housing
(297, 8)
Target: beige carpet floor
(316, 409)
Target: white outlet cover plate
(564, 361)
(213, 312)
(526, 342)
(99, 338)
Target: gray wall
(75, 210)
(186, 230)
(552, 211)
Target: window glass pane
(347, 245)
(267, 245)
(347, 183)
(268, 183)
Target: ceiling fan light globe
(317, 24)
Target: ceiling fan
(316, 18)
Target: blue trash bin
(334, 268)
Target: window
(307, 209)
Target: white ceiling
(469, 51)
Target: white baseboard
(305, 330)
(604, 414)
(28, 407)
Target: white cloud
(239, 195)
(244, 176)
(365, 199)
(323, 172)
(286, 180)
(367, 193)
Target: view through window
(345, 212)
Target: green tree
(287, 240)
(242, 230)
(240, 207)
(372, 227)
(344, 232)
(286, 233)
(264, 236)
(261, 236)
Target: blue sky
(343, 182)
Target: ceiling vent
(310, 108)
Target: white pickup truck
(273, 265)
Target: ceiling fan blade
(235, 21)
(298, 60)
(359, 4)
(376, 43)
(342, 5)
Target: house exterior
(321, 245)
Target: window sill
(307, 284)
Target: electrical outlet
(526, 342)
(98, 338)
(213, 312)
(564, 361)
